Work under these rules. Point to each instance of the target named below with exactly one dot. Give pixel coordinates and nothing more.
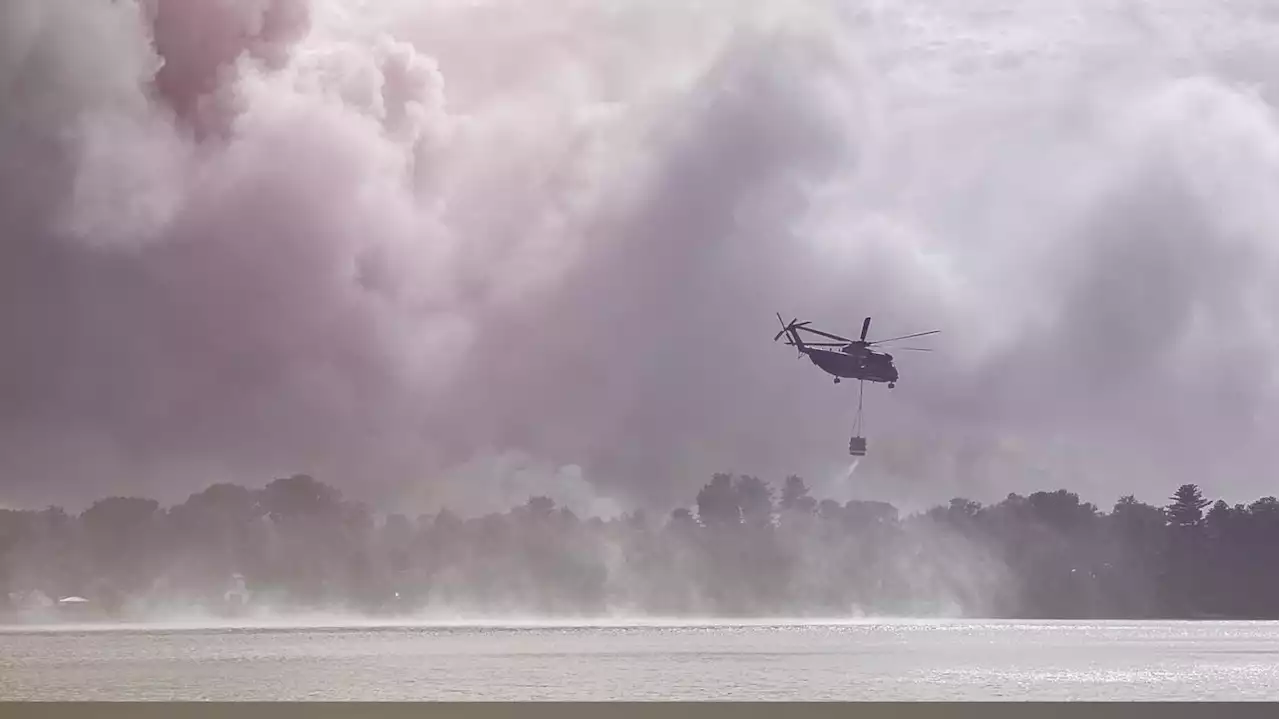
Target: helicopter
(855, 359)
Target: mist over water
(459, 254)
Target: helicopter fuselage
(866, 366)
(854, 360)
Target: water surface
(883, 661)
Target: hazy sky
(468, 251)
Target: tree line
(744, 548)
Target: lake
(866, 660)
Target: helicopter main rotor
(845, 343)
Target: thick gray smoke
(413, 247)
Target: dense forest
(744, 548)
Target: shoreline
(332, 622)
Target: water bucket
(858, 446)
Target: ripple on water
(892, 660)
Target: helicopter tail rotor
(788, 328)
(793, 337)
(784, 329)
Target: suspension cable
(857, 421)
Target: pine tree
(1187, 506)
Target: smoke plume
(396, 245)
